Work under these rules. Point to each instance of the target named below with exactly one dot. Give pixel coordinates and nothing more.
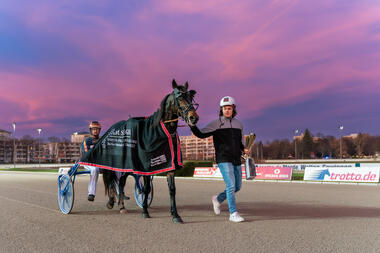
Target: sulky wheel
(139, 191)
(65, 193)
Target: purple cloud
(66, 63)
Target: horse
(177, 104)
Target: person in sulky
(227, 133)
(87, 144)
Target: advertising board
(362, 174)
(267, 172)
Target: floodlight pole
(295, 143)
(39, 146)
(14, 144)
(340, 141)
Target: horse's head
(183, 101)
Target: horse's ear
(174, 84)
(192, 93)
(186, 85)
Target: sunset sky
(289, 64)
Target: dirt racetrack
(280, 217)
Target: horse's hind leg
(173, 206)
(145, 213)
(111, 199)
(121, 186)
(109, 187)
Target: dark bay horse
(177, 104)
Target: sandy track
(280, 217)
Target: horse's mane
(160, 112)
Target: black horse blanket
(136, 145)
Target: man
(87, 144)
(227, 133)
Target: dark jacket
(227, 136)
(88, 144)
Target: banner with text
(303, 166)
(267, 172)
(361, 174)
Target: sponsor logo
(342, 174)
(317, 174)
(158, 160)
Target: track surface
(280, 217)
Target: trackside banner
(274, 172)
(267, 172)
(208, 172)
(369, 174)
(303, 166)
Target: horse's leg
(173, 206)
(145, 213)
(109, 187)
(122, 181)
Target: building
(63, 152)
(26, 151)
(194, 148)
(6, 151)
(32, 151)
(352, 136)
(5, 135)
(300, 137)
(79, 137)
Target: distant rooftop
(82, 133)
(3, 131)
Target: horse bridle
(182, 112)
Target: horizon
(300, 133)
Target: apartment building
(63, 152)
(6, 151)
(79, 137)
(25, 151)
(5, 135)
(194, 148)
(33, 151)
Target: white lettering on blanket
(119, 138)
(158, 160)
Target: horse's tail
(109, 179)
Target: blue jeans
(232, 177)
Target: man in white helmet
(227, 133)
(89, 143)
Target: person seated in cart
(87, 144)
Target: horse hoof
(109, 205)
(145, 215)
(123, 211)
(177, 220)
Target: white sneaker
(235, 217)
(216, 204)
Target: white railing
(36, 165)
(323, 160)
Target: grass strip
(30, 170)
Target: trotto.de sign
(362, 174)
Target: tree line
(319, 146)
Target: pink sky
(289, 64)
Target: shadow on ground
(281, 210)
(263, 211)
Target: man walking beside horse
(227, 133)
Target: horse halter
(182, 112)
